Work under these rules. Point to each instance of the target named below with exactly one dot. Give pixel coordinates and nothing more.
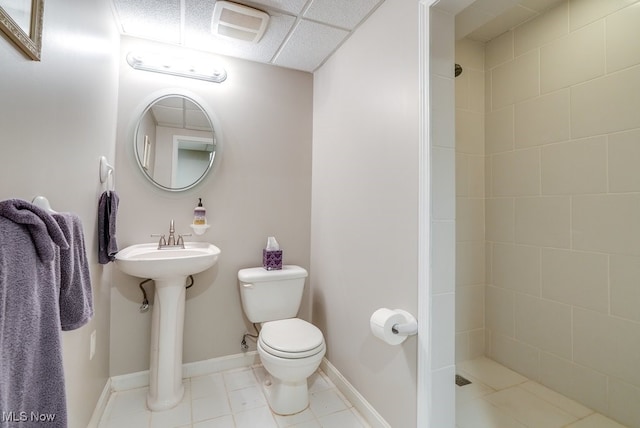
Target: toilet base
(286, 398)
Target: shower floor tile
(501, 398)
(232, 399)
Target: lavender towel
(76, 302)
(107, 212)
(31, 371)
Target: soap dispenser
(199, 214)
(199, 224)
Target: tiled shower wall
(562, 206)
(470, 194)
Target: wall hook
(105, 169)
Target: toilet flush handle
(247, 285)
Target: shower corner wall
(470, 194)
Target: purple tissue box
(272, 260)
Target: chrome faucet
(171, 242)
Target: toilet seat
(291, 338)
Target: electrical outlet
(92, 345)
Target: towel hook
(42, 202)
(106, 172)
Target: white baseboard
(101, 405)
(199, 368)
(354, 397)
(215, 365)
(230, 362)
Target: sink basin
(169, 269)
(147, 261)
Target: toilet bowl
(290, 349)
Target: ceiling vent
(238, 22)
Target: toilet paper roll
(382, 322)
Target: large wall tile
(500, 219)
(470, 266)
(576, 278)
(469, 307)
(516, 267)
(623, 402)
(443, 340)
(476, 176)
(615, 108)
(607, 344)
(582, 12)
(575, 167)
(470, 54)
(624, 277)
(552, 25)
(443, 112)
(623, 32)
(444, 255)
(543, 120)
(516, 173)
(470, 219)
(566, 62)
(469, 132)
(623, 160)
(499, 315)
(499, 50)
(499, 130)
(580, 383)
(443, 173)
(606, 222)
(462, 175)
(518, 80)
(543, 221)
(517, 355)
(544, 324)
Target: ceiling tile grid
(301, 34)
(340, 13)
(309, 45)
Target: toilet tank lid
(257, 274)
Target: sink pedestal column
(167, 328)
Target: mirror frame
(30, 44)
(215, 126)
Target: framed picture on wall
(21, 23)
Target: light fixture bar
(175, 66)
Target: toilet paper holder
(408, 328)
(393, 326)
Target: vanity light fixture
(202, 70)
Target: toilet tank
(269, 295)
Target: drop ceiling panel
(198, 35)
(309, 45)
(196, 119)
(340, 13)
(301, 34)
(168, 116)
(293, 7)
(153, 19)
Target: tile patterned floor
(232, 399)
(501, 398)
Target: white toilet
(290, 349)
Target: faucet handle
(181, 239)
(162, 241)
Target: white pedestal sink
(169, 268)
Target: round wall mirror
(175, 143)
